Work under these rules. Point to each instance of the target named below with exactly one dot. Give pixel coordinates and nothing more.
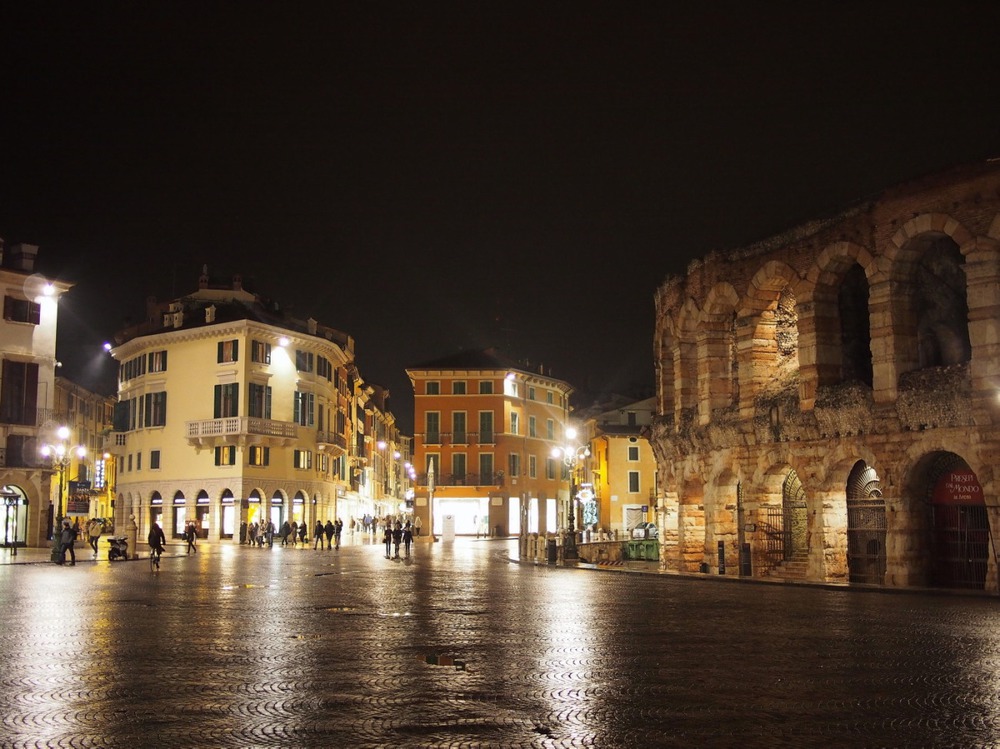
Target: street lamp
(61, 455)
(572, 455)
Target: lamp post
(430, 500)
(60, 455)
(572, 455)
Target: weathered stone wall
(758, 359)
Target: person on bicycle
(156, 539)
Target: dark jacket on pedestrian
(328, 529)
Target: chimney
(22, 257)
(237, 282)
(210, 313)
(203, 278)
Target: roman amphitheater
(829, 398)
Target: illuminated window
(158, 361)
(531, 426)
(259, 405)
(514, 419)
(304, 361)
(259, 456)
(548, 396)
(227, 400)
(225, 455)
(303, 459)
(229, 351)
(550, 429)
(510, 387)
(260, 352)
(304, 409)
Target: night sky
(430, 177)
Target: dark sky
(431, 176)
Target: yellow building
(487, 426)
(621, 468)
(88, 416)
(232, 413)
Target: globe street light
(60, 456)
(572, 455)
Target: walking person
(318, 536)
(397, 537)
(407, 539)
(302, 532)
(329, 530)
(416, 526)
(94, 529)
(190, 534)
(387, 538)
(338, 528)
(295, 533)
(66, 538)
(285, 530)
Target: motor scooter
(118, 548)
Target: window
(514, 418)
(432, 420)
(260, 352)
(21, 310)
(531, 426)
(458, 433)
(130, 461)
(631, 418)
(260, 401)
(227, 400)
(550, 429)
(19, 392)
(510, 387)
(458, 387)
(157, 361)
(458, 469)
(225, 455)
(531, 393)
(324, 368)
(304, 409)
(532, 466)
(134, 367)
(550, 468)
(154, 460)
(303, 458)
(485, 427)
(514, 465)
(155, 409)
(486, 387)
(229, 351)
(259, 456)
(138, 461)
(548, 396)
(304, 361)
(486, 468)
(433, 388)
(633, 453)
(633, 482)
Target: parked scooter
(119, 548)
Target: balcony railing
(17, 459)
(332, 438)
(456, 438)
(34, 417)
(497, 478)
(235, 426)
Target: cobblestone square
(457, 646)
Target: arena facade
(829, 399)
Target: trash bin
(552, 551)
(703, 568)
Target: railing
(16, 459)
(33, 417)
(497, 478)
(456, 438)
(776, 542)
(332, 438)
(236, 425)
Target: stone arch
(947, 528)
(768, 334)
(718, 370)
(664, 344)
(691, 526)
(867, 526)
(686, 360)
(835, 324)
(928, 301)
(256, 508)
(722, 523)
(781, 519)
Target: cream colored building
(232, 413)
(88, 416)
(28, 483)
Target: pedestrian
(416, 526)
(329, 530)
(353, 523)
(397, 537)
(66, 539)
(269, 534)
(387, 538)
(302, 532)
(318, 535)
(285, 530)
(407, 538)
(252, 533)
(295, 532)
(189, 535)
(94, 529)
(338, 528)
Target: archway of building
(256, 513)
(930, 304)
(686, 364)
(949, 522)
(691, 528)
(781, 520)
(178, 515)
(201, 519)
(15, 527)
(718, 364)
(866, 526)
(722, 524)
(841, 317)
(227, 516)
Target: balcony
(115, 443)
(497, 478)
(32, 417)
(456, 438)
(18, 459)
(241, 430)
(331, 442)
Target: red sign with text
(958, 488)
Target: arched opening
(855, 327)
(228, 516)
(179, 522)
(15, 507)
(866, 526)
(201, 514)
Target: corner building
(829, 399)
(488, 425)
(231, 412)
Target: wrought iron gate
(866, 530)
(961, 545)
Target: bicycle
(154, 559)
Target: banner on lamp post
(78, 502)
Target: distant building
(487, 425)
(621, 469)
(828, 398)
(29, 485)
(232, 412)
(89, 417)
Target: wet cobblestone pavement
(457, 647)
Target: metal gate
(961, 545)
(866, 529)
(777, 540)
